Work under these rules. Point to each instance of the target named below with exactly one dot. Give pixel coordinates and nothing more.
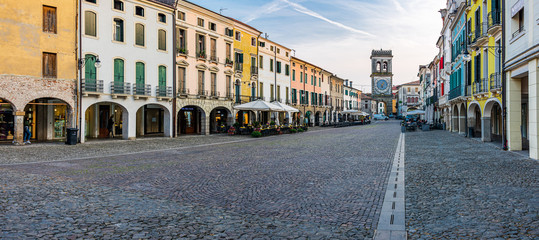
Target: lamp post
(81, 63)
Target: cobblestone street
(320, 184)
(457, 188)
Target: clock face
(382, 85)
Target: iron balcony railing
(183, 91)
(455, 92)
(238, 67)
(163, 91)
(494, 18)
(229, 96)
(483, 30)
(214, 93)
(495, 81)
(241, 99)
(201, 55)
(213, 56)
(480, 86)
(92, 85)
(202, 92)
(229, 62)
(182, 51)
(142, 89)
(120, 88)
(518, 31)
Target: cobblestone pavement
(315, 185)
(458, 188)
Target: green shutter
(162, 76)
(118, 71)
(140, 74)
(89, 68)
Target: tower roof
(382, 53)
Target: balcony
(254, 70)
(163, 92)
(494, 22)
(92, 87)
(481, 33)
(241, 99)
(213, 58)
(183, 92)
(469, 4)
(496, 82)
(142, 90)
(182, 52)
(201, 55)
(228, 62)
(119, 89)
(229, 96)
(238, 67)
(517, 32)
(215, 94)
(202, 93)
(455, 92)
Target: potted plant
(256, 134)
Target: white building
(408, 97)
(133, 86)
(274, 76)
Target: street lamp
(82, 61)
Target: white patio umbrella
(287, 108)
(259, 105)
(418, 112)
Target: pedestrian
(110, 126)
(27, 134)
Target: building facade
(128, 93)
(336, 98)
(39, 67)
(521, 75)
(204, 70)
(408, 97)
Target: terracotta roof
(410, 83)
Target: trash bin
(71, 138)
(444, 126)
(470, 132)
(403, 128)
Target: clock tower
(382, 78)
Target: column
(514, 105)
(533, 109)
(18, 122)
(485, 129)
(129, 127)
(205, 128)
(167, 123)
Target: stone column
(205, 128)
(514, 106)
(485, 129)
(462, 124)
(533, 109)
(129, 127)
(95, 128)
(18, 122)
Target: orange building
(305, 83)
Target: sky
(339, 35)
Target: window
(287, 70)
(213, 49)
(320, 82)
(229, 51)
(118, 34)
(271, 65)
(278, 67)
(271, 48)
(272, 92)
(140, 76)
(118, 5)
(181, 80)
(287, 54)
(162, 78)
(278, 50)
(181, 41)
(49, 65)
(228, 84)
(201, 46)
(161, 17)
(49, 19)
(261, 62)
(213, 84)
(262, 44)
(213, 26)
(118, 72)
(162, 39)
(90, 28)
(261, 90)
(517, 22)
(300, 77)
(139, 34)
(238, 36)
(181, 16)
(91, 1)
(229, 32)
(200, 22)
(253, 41)
(286, 92)
(278, 93)
(293, 74)
(139, 11)
(200, 82)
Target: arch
(97, 121)
(220, 119)
(317, 118)
(191, 120)
(378, 66)
(489, 105)
(474, 118)
(455, 119)
(462, 118)
(41, 112)
(7, 120)
(153, 119)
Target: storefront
(48, 119)
(190, 120)
(97, 119)
(219, 120)
(6, 121)
(153, 119)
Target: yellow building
(484, 69)
(39, 68)
(245, 67)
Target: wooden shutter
(140, 73)
(89, 68)
(49, 19)
(162, 35)
(118, 71)
(90, 28)
(49, 65)
(139, 34)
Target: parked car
(391, 115)
(380, 117)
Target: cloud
(280, 4)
